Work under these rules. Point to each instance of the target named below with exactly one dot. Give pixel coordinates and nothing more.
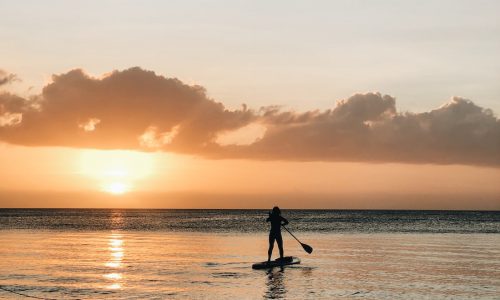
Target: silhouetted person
(275, 234)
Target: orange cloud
(138, 109)
(76, 110)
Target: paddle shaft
(292, 234)
(306, 247)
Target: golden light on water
(115, 172)
(114, 286)
(113, 276)
(116, 250)
(113, 264)
(117, 254)
(115, 242)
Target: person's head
(276, 211)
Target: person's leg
(279, 240)
(271, 246)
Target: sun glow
(116, 188)
(116, 172)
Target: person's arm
(284, 221)
(269, 218)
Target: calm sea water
(207, 254)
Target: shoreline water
(157, 265)
(197, 254)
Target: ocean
(207, 254)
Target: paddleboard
(286, 261)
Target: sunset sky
(250, 104)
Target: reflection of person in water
(276, 288)
(275, 234)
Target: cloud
(138, 109)
(6, 78)
(113, 112)
(367, 127)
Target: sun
(116, 188)
(116, 172)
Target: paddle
(306, 247)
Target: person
(275, 234)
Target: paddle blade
(307, 248)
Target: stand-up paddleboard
(286, 261)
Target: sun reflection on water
(113, 276)
(116, 253)
(112, 264)
(114, 286)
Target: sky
(249, 104)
